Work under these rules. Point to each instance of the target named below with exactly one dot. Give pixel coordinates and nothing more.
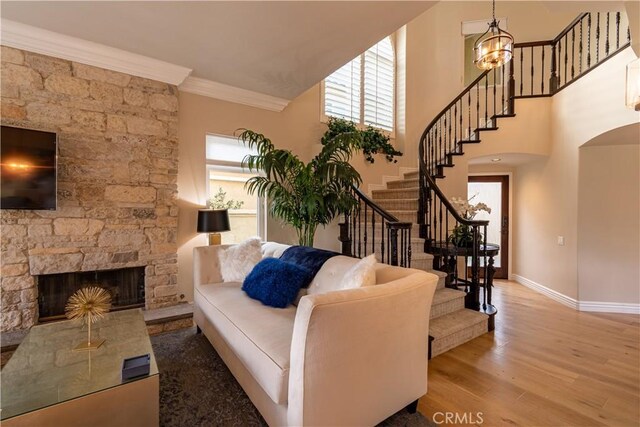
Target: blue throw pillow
(311, 259)
(276, 283)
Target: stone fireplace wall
(117, 172)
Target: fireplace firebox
(126, 286)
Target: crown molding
(212, 89)
(38, 40)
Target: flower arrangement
(461, 235)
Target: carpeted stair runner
(451, 324)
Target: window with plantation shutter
(363, 90)
(379, 71)
(342, 92)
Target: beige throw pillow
(237, 261)
(361, 274)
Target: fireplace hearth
(126, 286)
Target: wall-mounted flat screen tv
(27, 169)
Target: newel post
(512, 87)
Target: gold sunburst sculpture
(88, 304)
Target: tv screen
(27, 169)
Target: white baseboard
(554, 295)
(592, 306)
(609, 307)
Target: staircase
(451, 323)
(409, 222)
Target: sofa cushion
(275, 283)
(330, 276)
(259, 335)
(237, 261)
(307, 257)
(363, 273)
(273, 249)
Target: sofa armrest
(358, 356)
(206, 264)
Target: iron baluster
(566, 58)
(580, 50)
(553, 80)
(617, 30)
(502, 108)
(532, 70)
(475, 136)
(521, 71)
(486, 100)
(588, 41)
(606, 43)
(598, 37)
(469, 135)
(365, 230)
(542, 72)
(559, 62)
(573, 51)
(493, 124)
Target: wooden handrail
(386, 215)
(452, 103)
(570, 26)
(448, 205)
(533, 44)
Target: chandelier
(494, 48)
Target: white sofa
(349, 357)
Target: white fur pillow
(237, 261)
(361, 274)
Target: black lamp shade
(213, 220)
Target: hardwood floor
(544, 365)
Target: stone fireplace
(117, 172)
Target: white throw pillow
(237, 261)
(361, 274)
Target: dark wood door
(496, 191)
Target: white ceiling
(275, 48)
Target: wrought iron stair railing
(369, 229)
(540, 68)
(537, 69)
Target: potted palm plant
(304, 195)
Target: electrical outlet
(561, 240)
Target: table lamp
(213, 221)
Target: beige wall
(435, 67)
(432, 78)
(609, 223)
(297, 128)
(546, 200)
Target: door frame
(511, 218)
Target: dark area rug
(197, 389)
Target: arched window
(363, 90)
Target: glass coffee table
(46, 383)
